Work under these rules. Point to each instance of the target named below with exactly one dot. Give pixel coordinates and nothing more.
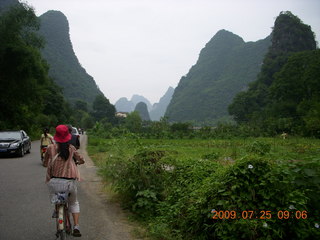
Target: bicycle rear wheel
(61, 222)
(63, 235)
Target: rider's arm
(51, 138)
(78, 158)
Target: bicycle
(62, 215)
(43, 152)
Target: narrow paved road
(25, 209)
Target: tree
(31, 100)
(296, 92)
(81, 105)
(102, 108)
(261, 105)
(22, 69)
(133, 122)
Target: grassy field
(172, 185)
(280, 149)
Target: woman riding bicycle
(45, 140)
(61, 160)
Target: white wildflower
(250, 166)
(316, 225)
(291, 207)
(265, 225)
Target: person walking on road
(75, 141)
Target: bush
(138, 179)
(252, 184)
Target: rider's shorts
(56, 185)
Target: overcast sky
(144, 46)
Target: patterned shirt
(58, 167)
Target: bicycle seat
(60, 198)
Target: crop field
(252, 188)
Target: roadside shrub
(138, 179)
(252, 184)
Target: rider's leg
(75, 217)
(74, 206)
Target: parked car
(14, 142)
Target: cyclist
(61, 160)
(45, 140)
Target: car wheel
(29, 149)
(21, 154)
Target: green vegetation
(186, 182)
(30, 99)
(285, 97)
(103, 110)
(225, 67)
(65, 68)
(172, 185)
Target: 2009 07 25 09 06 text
(259, 214)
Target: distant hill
(286, 95)
(7, 3)
(158, 109)
(225, 67)
(138, 98)
(65, 68)
(124, 105)
(142, 109)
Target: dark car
(14, 142)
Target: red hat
(62, 134)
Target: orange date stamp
(259, 214)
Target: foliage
(225, 66)
(133, 122)
(259, 148)
(103, 109)
(65, 68)
(285, 95)
(175, 184)
(25, 74)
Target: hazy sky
(144, 46)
